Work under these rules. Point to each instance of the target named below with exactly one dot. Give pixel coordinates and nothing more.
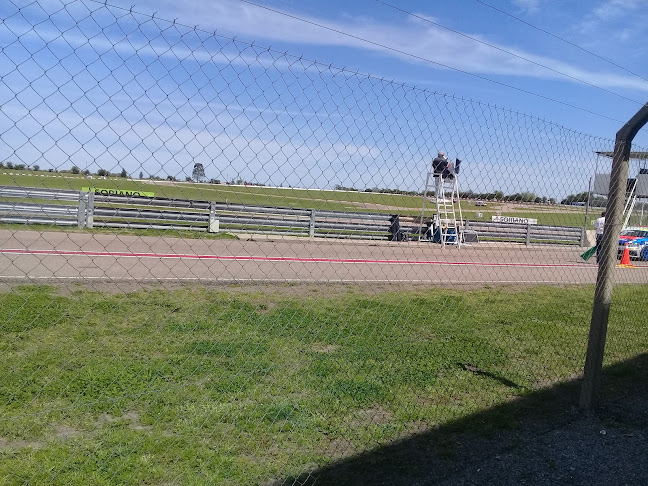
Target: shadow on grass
(541, 438)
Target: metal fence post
(213, 225)
(582, 237)
(81, 213)
(527, 242)
(90, 210)
(589, 197)
(603, 295)
(311, 224)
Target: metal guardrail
(137, 212)
(96, 210)
(528, 233)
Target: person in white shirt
(599, 224)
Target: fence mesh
(221, 263)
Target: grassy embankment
(198, 386)
(311, 198)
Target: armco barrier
(136, 212)
(528, 233)
(115, 211)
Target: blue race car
(636, 237)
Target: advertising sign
(117, 192)
(513, 220)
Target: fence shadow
(540, 438)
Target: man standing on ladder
(439, 164)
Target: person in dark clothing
(439, 164)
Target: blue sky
(98, 87)
(614, 29)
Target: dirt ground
(551, 442)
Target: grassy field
(311, 198)
(243, 386)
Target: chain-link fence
(225, 264)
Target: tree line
(530, 197)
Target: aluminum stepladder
(629, 205)
(445, 220)
(450, 228)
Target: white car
(636, 238)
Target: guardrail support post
(213, 222)
(81, 213)
(90, 210)
(311, 224)
(527, 242)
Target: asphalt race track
(32, 256)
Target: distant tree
(123, 173)
(19, 167)
(1, 165)
(75, 169)
(552, 200)
(36, 167)
(10, 165)
(86, 172)
(572, 198)
(141, 175)
(102, 172)
(198, 173)
(188, 179)
(171, 178)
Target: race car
(636, 237)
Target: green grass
(299, 198)
(264, 196)
(199, 386)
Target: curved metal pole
(604, 284)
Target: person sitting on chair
(452, 169)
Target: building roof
(633, 155)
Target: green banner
(117, 192)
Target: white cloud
(411, 36)
(607, 14)
(529, 6)
(616, 8)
